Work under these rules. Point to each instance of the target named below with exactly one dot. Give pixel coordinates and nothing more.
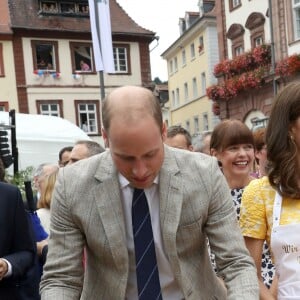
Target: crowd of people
(159, 214)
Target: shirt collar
(124, 182)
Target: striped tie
(146, 265)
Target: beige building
(8, 90)
(190, 61)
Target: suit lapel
(170, 193)
(108, 200)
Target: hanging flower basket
(216, 108)
(245, 62)
(288, 66)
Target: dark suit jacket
(16, 243)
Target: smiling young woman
(232, 143)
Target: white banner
(101, 35)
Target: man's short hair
(92, 146)
(177, 129)
(63, 150)
(199, 141)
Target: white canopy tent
(40, 138)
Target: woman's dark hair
(282, 150)
(230, 132)
(259, 140)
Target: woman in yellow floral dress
(271, 205)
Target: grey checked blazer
(195, 203)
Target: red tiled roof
(25, 14)
(4, 18)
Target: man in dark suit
(17, 248)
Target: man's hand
(3, 268)
(40, 245)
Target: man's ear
(164, 131)
(105, 137)
(213, 152)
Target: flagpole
(101, 73)
(102, 93)
(102, 42)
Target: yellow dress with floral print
(256, 219)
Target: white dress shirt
(169, 286)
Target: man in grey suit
(188, 199)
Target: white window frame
(175, 64)
(186, 91)
(201, 44)
(193, 53)
(90, 117)
(120, 59)
(188, 125)
(173, 99)
(50, 111)
(177, 97)
(203, 83)
(171, 66)
(236, 3)
(183, 55)
(296, 14)
(258, 41)
(196, 124)
(195, 88)
(238, 50)
(205, 121)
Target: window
(236, 34)
(258, 41)
(195, 88)
(183, 57)
(205, 121)
(4, 106)
(187, 125)
(1, 61)
(67, 7)
(296, 8)
(196, 124)
(45, 55)
(186, 91)
(192, 50)
(49, 107)
(171, 66)
(177, 97)
(87, 113)
(49, 6)
(175, 64)
(173, 99)
(82, 58)
(234, 4)
(201, 44)
(238, 50)
(121, 58)
(203, 83)
(255, 24)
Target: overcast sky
(161, 17)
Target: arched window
(255, 24)
(236, 34)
